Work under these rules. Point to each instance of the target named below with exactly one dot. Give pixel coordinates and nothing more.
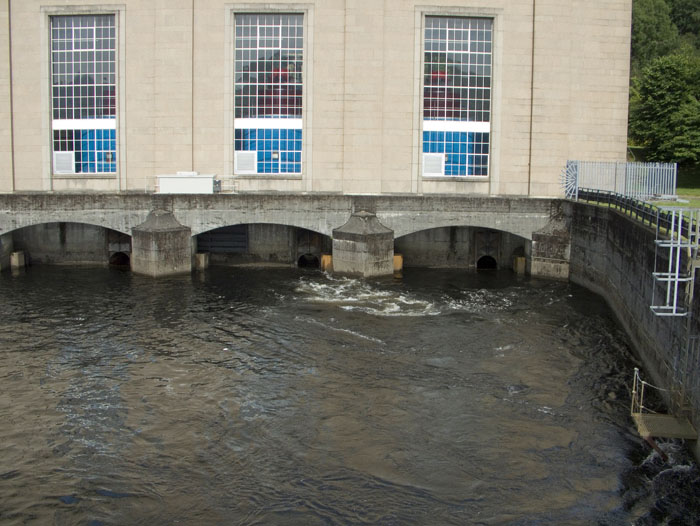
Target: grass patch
(692, 201)
(688, 181)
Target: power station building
(348, 97)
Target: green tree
(685, 14)
(653, 32)
(665, 109)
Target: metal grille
(635, 180)
(225, 240)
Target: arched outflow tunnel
(63, 242)
(119, 259)
(308, 261)
(470, 247)
(487, 263)
(251, 243)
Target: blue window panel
(286, 142)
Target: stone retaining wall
(614, 256)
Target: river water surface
(278, 396)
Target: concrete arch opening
(69, 243)
(308, 261)
(119, 259)
(487, 263)
(266, 243)
(460, 246)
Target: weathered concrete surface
(404, 214)
(459, 247)
(161, 246)
(6, 248)
(363, 246)
(614, 256)
(551, 248)
(64, 244)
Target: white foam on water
(357, 295)
(343, 331)
(479, 301)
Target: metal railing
(662, 218)
(636, 180)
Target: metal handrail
(647, 213)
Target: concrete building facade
(462, 97)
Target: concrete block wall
(363, 93)
(614, 256)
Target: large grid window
(83, 93)
(457, 95)
(268, 93)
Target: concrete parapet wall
(404, 214)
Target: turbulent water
(275, 396)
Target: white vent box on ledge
(186, 183)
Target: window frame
(96, 118)
(47, 13)
(449, 183)
(301, 123)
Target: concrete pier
(6, 248)
(161, 246)
(363, 246)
